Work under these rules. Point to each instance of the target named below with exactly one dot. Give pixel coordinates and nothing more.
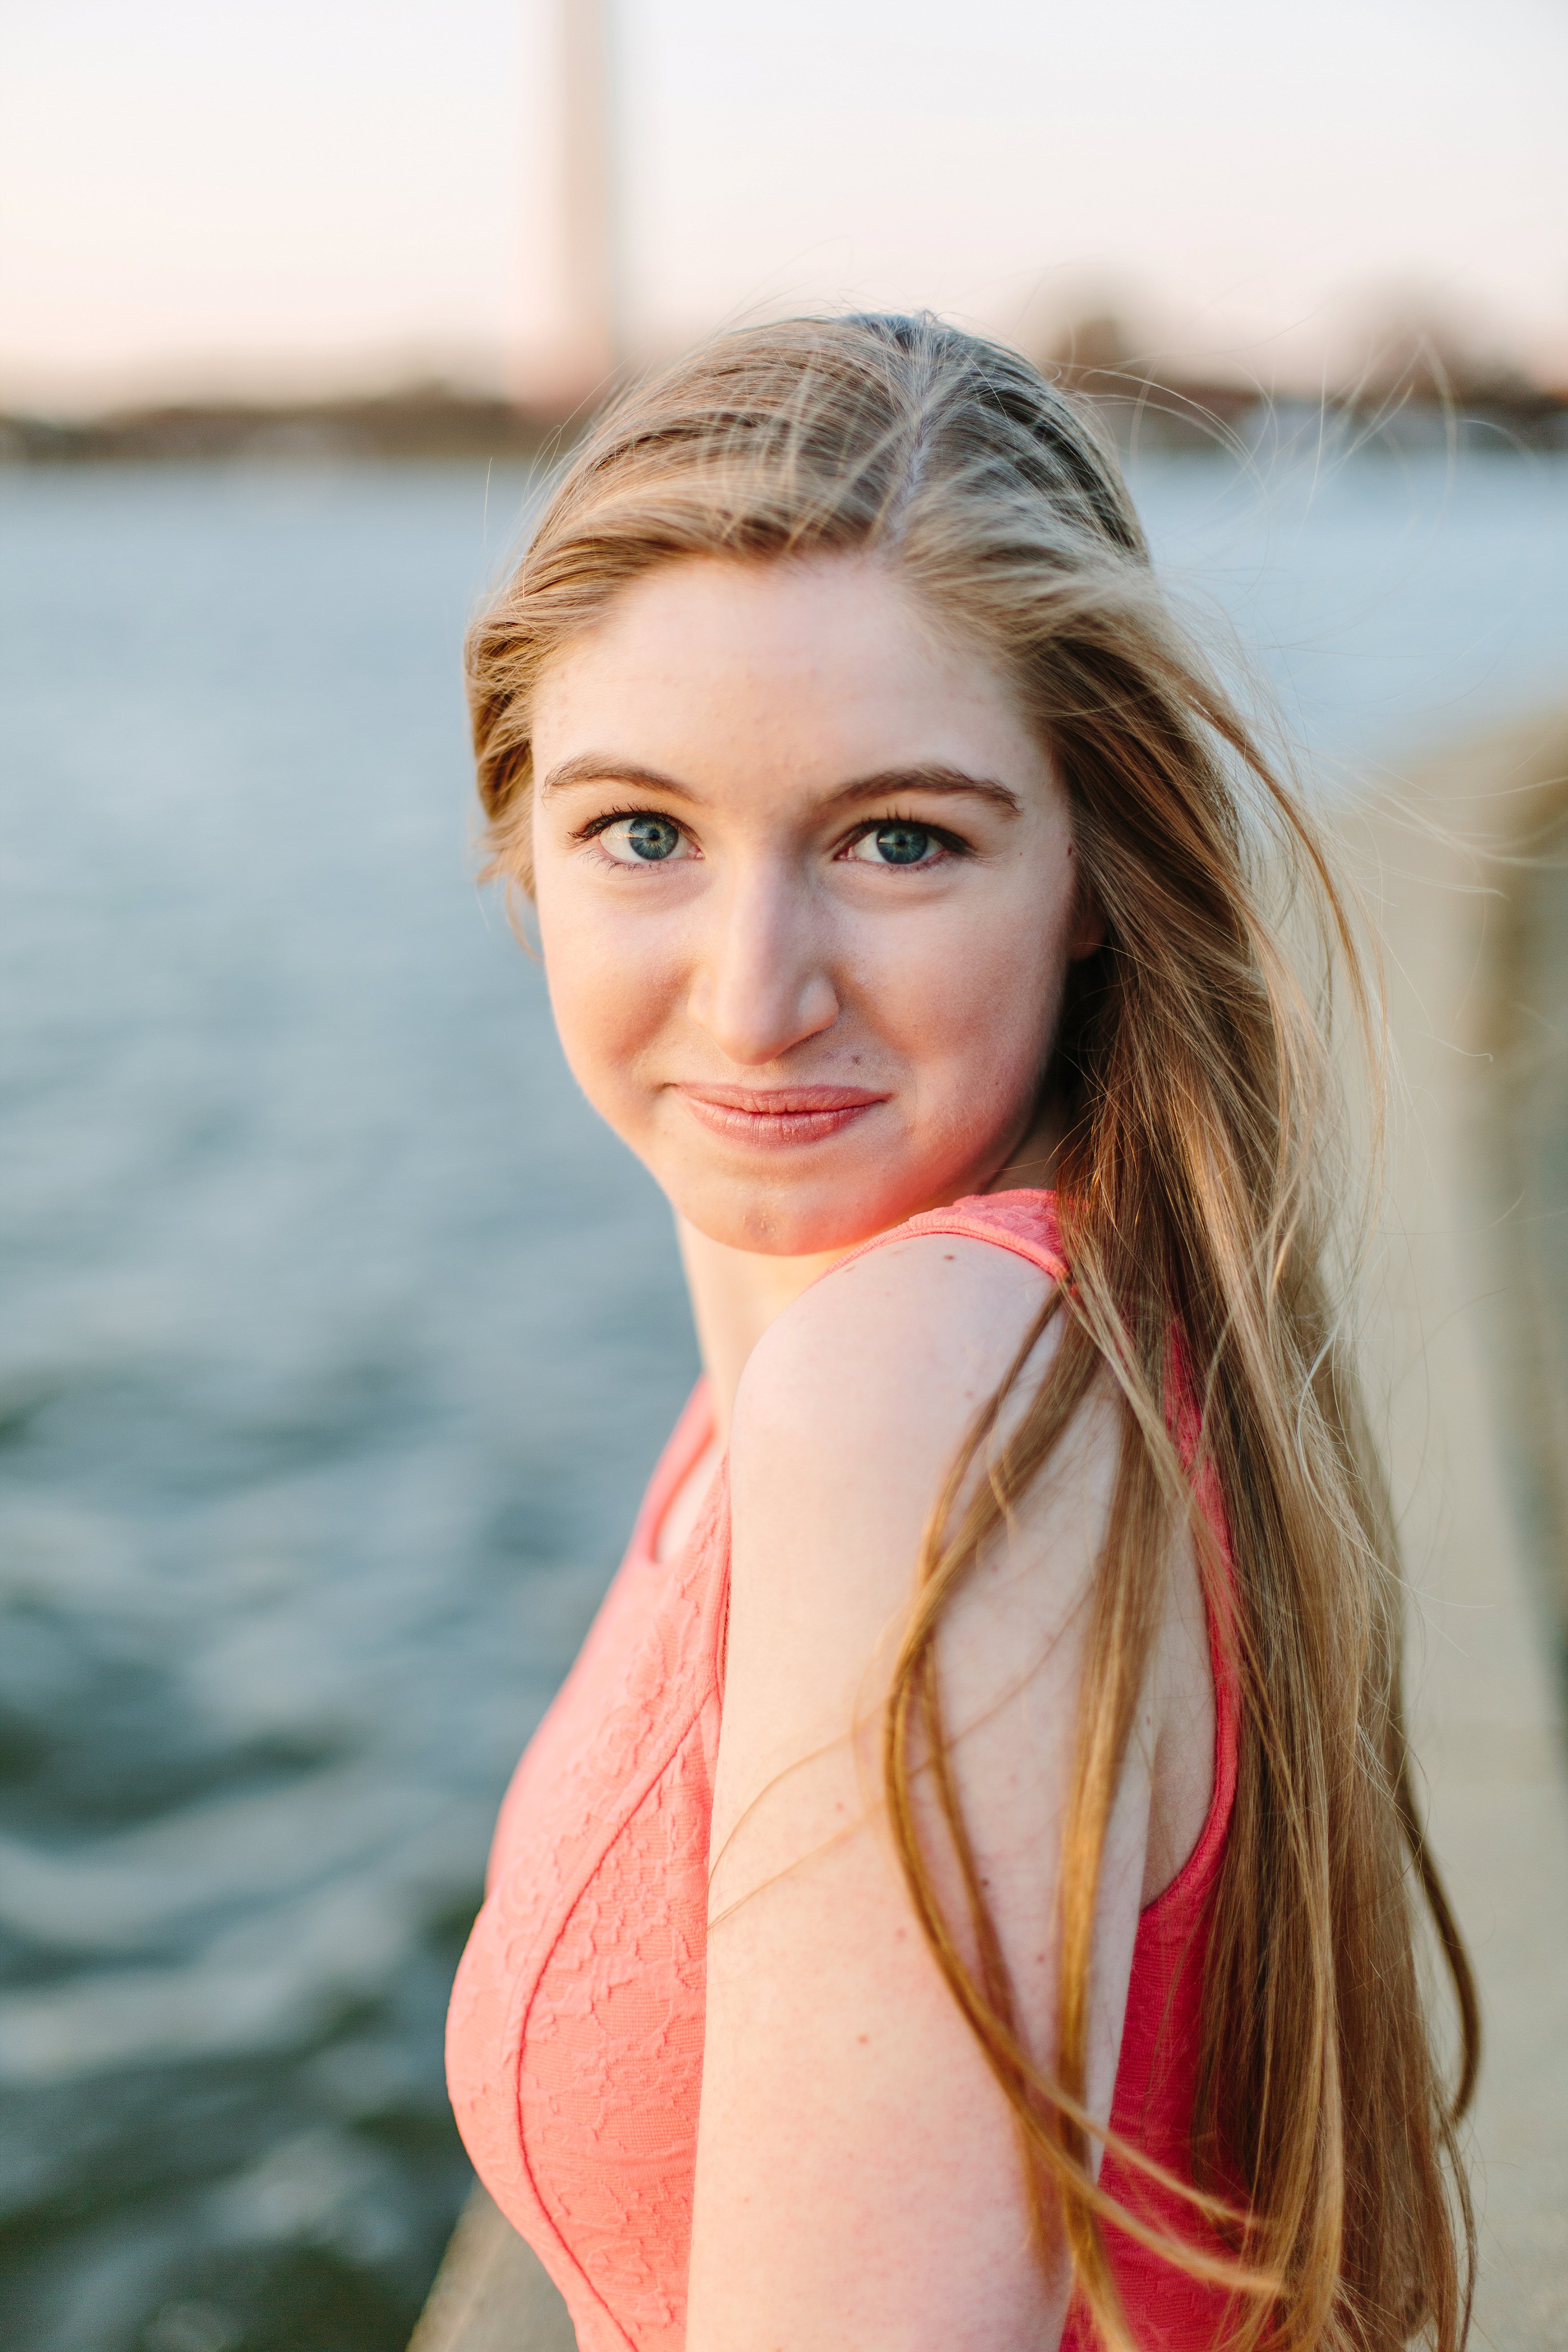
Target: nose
(762, 981)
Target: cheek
(978, 995)
(607, 990)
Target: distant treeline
(1419, 385)
(424, 421)
(1418, 402)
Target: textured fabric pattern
(575, 2042)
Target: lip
(778, 1117)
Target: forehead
(823, 668)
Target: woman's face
(807, 894)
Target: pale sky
(200, 196)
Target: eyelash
(607, 818)
(954, 843)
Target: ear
(1089, 927)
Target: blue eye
(641, 838)
(652, 836)
(901, 845)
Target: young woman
(965, 1894)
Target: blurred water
(337, 1338)
(1392, 600)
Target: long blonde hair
(1196, 1196)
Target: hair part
(1199, 1195)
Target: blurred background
(337, 1338)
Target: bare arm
(858, 2179)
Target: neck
(736, 1294)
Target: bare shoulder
(898, 1350)
(850, 1413)
(835, 2057)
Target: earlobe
(1089, 929)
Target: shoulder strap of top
(1023, 1222)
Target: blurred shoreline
(414, 425)
(435, 421)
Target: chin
(807, 1221)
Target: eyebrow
(588, 768)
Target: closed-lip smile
(775, 1116)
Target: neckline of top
(687, 1440)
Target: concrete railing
(491, 2294)
(1470, 1353)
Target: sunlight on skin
(807, 894)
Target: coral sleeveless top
(575, 2042)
